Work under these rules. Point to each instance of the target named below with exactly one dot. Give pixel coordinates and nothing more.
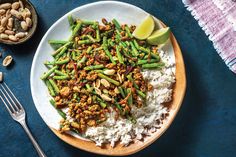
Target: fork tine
(9, 110)
(13, 103)
(9, 103)
(12, 95)
(19, 104)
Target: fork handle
(36, 146)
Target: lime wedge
(159, 36)
(145, 29)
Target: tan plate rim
(176, 103)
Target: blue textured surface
(205, 125)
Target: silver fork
(17, 112)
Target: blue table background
(205, 125)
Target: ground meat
(65, 91)
(110, 65)
(138, 76)
(83, 98)
(90, 62)
(92, 76)
(91, 123)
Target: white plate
(123, 12)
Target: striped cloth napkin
(218, 19)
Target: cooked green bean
(88, 87)
(75, 95)
(63, 51)
(73, 55)
(91, 38)
(121, 92)
(97, 49)
(86, 22)
(119, 56)
(147, 56)
(75, 30)
(140, 93)
(109, 54)
(60, 49)
(71, 21)
(153, 65)
(86, 41)
(140, 62)
(99, 71)
(84, 37)
(134, 50)
(155, 56)
(127, 43)
(125, 91)
(119, 108)
(60, 77)
(54, 85)
(60, 62)
(104, 41)
(130, 99)
(62, 114)
(110, 42)
(83, 59)
(98, 99)
(94, 67)
(98, 38)
(49, 72)
(128, 32)
(104, 105)
(118, 34)
(107, 33)
(57, 41)
(152, 55)
(116, 23)
(126, 53)
(60, 73)
(89, 49)
(108, 79)
(50, 88)
(132, 80)
(123, 44)
(136, 44)
(147, 51)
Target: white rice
(148, 117)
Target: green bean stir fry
(97, 70)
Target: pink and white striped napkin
(218, 19)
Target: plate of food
(108, 78)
